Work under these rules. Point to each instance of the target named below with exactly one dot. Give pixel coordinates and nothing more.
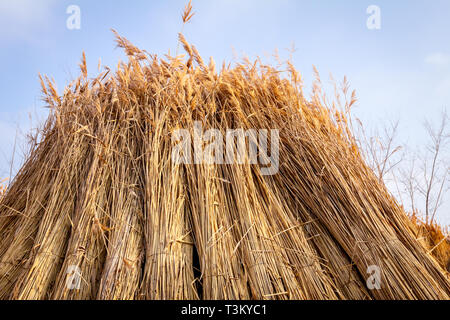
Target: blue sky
(401, 71)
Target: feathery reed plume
(187, 13)
(186, 18)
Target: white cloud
(20, 18)
(438, 59)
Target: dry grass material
(99, 191)
(436, 239)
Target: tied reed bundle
(100, 191)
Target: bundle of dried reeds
(101, 194)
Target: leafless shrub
(381, 150)
(425, 177)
